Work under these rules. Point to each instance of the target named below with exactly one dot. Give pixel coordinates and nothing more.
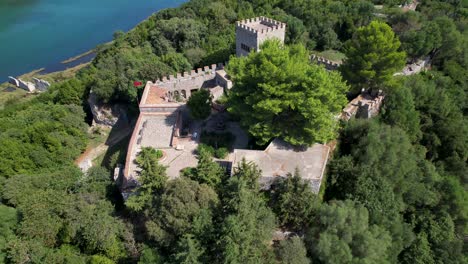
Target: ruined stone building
(38, 85)
(251, 33)
(280, 159)
(365, 105)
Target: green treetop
(199, 104)
(341, 233)
(293, 251)
(207, 170)
(248, 226)
(279, 93)
(372, 56)
(153, 178)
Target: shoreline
(75, 61)
(10, 92)
(56, 76)
(79, 56)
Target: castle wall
(38, 84)
(329, 65)
(188, 81)
(245, 36)
(166, 108)
(222, 79)
(182, 85)
(364, 106)
(278, 33)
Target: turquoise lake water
(41, 33)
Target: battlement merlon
(207, 70)
(171, 91)
(260, 25)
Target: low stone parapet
(329, 65)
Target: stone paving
(176, 160)
(151, 130)
(156, 130)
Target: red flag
(136, 83)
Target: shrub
(221, 153)
(205, 148)
(218, 140)
(159, 153)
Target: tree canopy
(153, 178)
(248, 227)
(199, 104)
(373, 56)
(341, 233)
(293, 201)
(278, 93)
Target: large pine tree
(373, 56)
(278, 93)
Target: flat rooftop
(156, 95)
(280, 158)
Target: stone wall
(222, 79)
(245, 36)
(278, 31)
(166, 108)
(39, 84)
(183, 83)
(180, 87)
(28, 86)
(329, 65)
(416, 67)
(364, 106)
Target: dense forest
(395, 189)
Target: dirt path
(85, 160)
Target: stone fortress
(164, 122)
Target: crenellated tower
(251, 33)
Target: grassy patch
(332, 55)
(98, 136)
